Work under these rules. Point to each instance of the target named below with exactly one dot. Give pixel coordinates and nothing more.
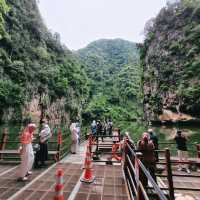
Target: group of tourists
(101, 128)
(148, 145)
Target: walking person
(181, 145)
(78, 128)
(110, 125)
(105, 127)
(93, 128)
(99, 129)
(74, 138)
(26, 152)
(153, 137)
(148, 157)
(42, 154)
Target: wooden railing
(134, 169)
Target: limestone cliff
(171, 60)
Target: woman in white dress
(74, 137)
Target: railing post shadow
(139, 176)
(3, 141)
(169, 174)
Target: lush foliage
(34, 63)
(3, 10)
(113, 67)
(170, 56)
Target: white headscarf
(45, 132)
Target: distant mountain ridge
(113, 68)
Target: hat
(31, 125)
(150, 130)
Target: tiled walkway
(108, 184)
(8, 180)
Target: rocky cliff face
(39, 77)
(171, 60)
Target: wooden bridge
(114, 178)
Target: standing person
(74, 137)
(78, 128)
(99, 129)
(116, 135)
(94, 128)
(26, 152)
(110, 125)
(153, 137)
(42, 154)
(105, 127)
(181, 145)
(148, 157)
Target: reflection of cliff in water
(167, 133)
(172, 118)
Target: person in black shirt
(99, 129)
(153, 137)
(181, 145)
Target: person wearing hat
(146, 147)
(74, 138)
(181, 145)
(26, 152)
(154, 139)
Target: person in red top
(146, 146)
(26, 152)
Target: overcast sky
(80, 22)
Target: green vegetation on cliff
(170, 56)
(3, 10)
(114, 71)
(34, 65)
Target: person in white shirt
(42, 154)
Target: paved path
(108, 184)
(8, 180)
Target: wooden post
(169, 174)
(3, 141)
(59, 140)
(197, 150)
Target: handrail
(146, 172)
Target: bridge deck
(8, 183)
(108, 184)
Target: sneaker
(188, 171)
(29, 173)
